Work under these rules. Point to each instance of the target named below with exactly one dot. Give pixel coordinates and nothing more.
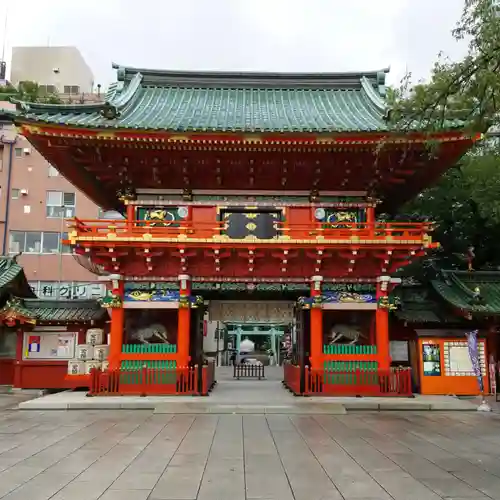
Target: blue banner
(474, 356)
(151, 295)
(348, 297)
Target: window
(33, 242)
(65, 248)
(71, 89)
(60, 204)
(50, 242)
(53, 172)
(15, 193)
(18, 152)
(37, 242)
(16, 241)
(47, 89)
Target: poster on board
(431, 357)
(34, 343)
(64, 345)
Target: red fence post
(193, 387)
(307, 381)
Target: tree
(466, 202)
(28, 92)
(467, 90)
(32, 92)
(465, 210)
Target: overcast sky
(273, 35)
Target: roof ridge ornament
(126, 194)
(109, 111)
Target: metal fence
(247, 370)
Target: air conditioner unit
(24, 192)
(27, 151)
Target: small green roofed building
(39, 337)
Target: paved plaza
(139, 455)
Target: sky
(265, 35)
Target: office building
(36, 200)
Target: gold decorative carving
(178, 138)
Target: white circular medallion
(182, 212)
(320, 213)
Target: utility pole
(3, 64)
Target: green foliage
(28, 92)
(31, 92)
(7, 91)
(467, 90)
(466, 208)
(465, 203)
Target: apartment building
(35, 200)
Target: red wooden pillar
(130, 216)
(316, 325)
(370, 220)
(18, 366)
(183, 321)
(382, 324)
(117, 327)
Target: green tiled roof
(226, 102)
(55, 311)
(476, 292)
(64, 311)
(417, 314)
(420, 305)
(12, 277)
(9, 271)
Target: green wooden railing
(349, 349)
(346, 372)
(157, 364)
(149, 348)
(132, 371)
(350, 366)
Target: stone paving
(138, 455)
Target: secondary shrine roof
(421, 304)
(54, 311)
(180, 101)
(474, 292)
(12, 278)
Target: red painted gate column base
(184, 321)
(316, 325)
(117, 326)
(382, 324)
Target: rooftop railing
(198, 231)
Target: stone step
(257, 408)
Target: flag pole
(484, 406)
(473, 348)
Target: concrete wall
(37, 64)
